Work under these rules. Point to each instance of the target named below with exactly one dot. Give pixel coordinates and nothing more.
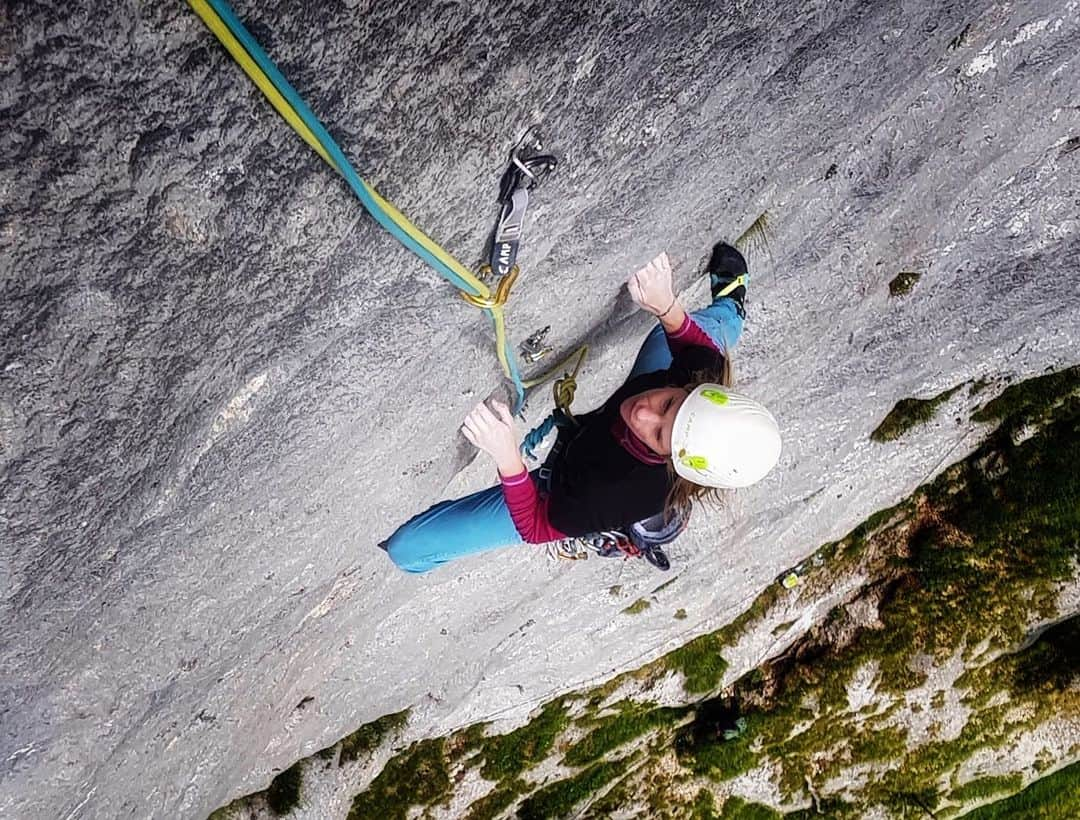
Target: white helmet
(723, 439)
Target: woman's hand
(651, 287)
(493, 432)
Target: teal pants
(481, 522)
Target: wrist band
(669, 307)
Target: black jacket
(595, 484)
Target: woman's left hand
(651, 288)
(493, 432)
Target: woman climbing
(671, 435)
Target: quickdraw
(525, 170)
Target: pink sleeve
(689, 334)
(528, 510)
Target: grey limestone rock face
(221, 383)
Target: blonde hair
(683, 493)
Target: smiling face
(651, 415)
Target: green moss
(506, 756)
(780, 629)
(559, 798)
(903, 282)
(370, 736)
(613, 731)
(912, 784)
(416, 777)
(883, 744)
(713, 747)
(917, 802)
(1053, 661)
(497, 801)
(1033, 397)
(680, 614)
(735, 808)
(283, 794)
(640, 605)
(617, 797)
(227, 812)
(909, 413)
(465, 741)
(826, 807)
(982, 547)
(704, 806)
(700, 662)
(1056, 797)
(985, 787)
(656, 797)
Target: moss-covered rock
(903, 282)
(639, 606)
(909, 413)
(369, 736)
(1055, 797)
(557, 799)
(735, 808)
(416, 777)
(630, 722)
(285, 790)
(507, 756)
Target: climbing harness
(608, 544)
(225, 25)
(642, 539)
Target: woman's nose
(646, 414)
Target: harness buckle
(544, 474)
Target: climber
(673, 434)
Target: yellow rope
(429, 244)
(251, 68)
(563, 390)
(580, 353)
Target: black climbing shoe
(728, 275)
(657, 557)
